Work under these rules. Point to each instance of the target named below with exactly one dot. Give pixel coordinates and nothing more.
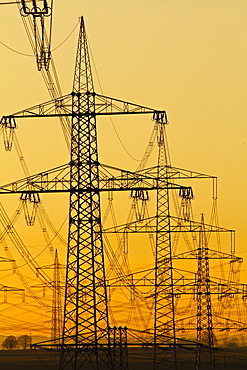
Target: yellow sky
(188, 57)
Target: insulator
(145, 195)
(24, 10)
(30, 214)
(34, 198)
(8, 122)
(160, 117)
(30, 197)
(8, 135)
(8, 125)
(139, 194)
(186, 193)
(35, 10)
(134, 194)
(44, 58)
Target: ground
(226, 359)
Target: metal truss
(87, 338)
(58, 180)
(204, 306)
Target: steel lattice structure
(204, 304)
(87, 337)
(86, 332)
(85, 312)
(164, 325)
(56, 327)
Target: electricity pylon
(86, 332)
(87, 337)
(86, 321)
(56, 318)
(204, 305)
(164, 327)
(56, 322)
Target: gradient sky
(188, 57)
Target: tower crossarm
(62, 106)
(6, 288)
(54, 180)
(177, 173)
(105, 105)
(184, 225)
(211, 254)
(220, 324)
(182, 286)
(58, 180)
(58, 107)
(180, 173)
(127, 180)
(177, 225)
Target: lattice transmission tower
(86, 333)
(204, 304)
(87, 338)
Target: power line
(16, 51)
(14, 2)
(113, 125)
(31, 55)
(66, 37)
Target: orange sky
(187, 57)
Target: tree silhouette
(10, 342)
(24, 341)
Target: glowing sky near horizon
(187, 57)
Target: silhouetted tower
(56, 321)
(87, 338)
(164, 319)
(119, 347)
(205, 353)
(85, 314)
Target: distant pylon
(205, 352)
(56, 322)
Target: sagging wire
(66, 37)
(113, 125)
(52, 83)
(54, 49)
(16, 51)
(33, 259)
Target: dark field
(226, 359)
